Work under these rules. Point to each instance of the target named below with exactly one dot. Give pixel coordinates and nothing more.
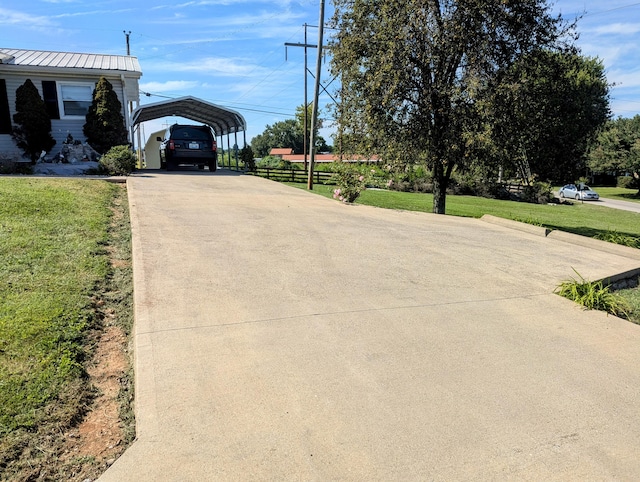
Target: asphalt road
(280, 335)
(618, 204)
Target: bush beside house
(118, 161)
(105, 127)
(32, 133)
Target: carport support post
(221, 148)
(314, 116)
(235, 149)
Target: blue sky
(232, 52)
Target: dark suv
(188, 144)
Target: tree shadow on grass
(631, 196)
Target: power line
(602, 12)
(612, 9)
(284, 114)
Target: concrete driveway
(281, 335)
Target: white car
(582, 192)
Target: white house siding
(17, 65)
(60, 128)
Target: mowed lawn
(53, 260)
(618, 193)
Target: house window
(76, 98)
(5, 113)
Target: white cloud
(265, 18)
(617, 29)
(213, 66)
(211, 3)
(92, 13)
(624, 79)
(168, 86)
(12, 17)
(625, 106)
(610, 53)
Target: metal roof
(222, 120)
(69, 60)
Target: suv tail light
(214, 145)
(172, 145)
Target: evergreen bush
(105, 127)
(118, 161)
(32, 133)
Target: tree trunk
(440, 182)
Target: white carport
(223, 121)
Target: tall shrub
(246, 156)
(350, 182)
(33, 130)
(105, 126)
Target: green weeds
(593, 295)
(619, 238)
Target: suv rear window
(188, 132)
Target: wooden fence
(292, 175)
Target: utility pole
(306, 103)
(316, 94)
(304, 142)
(127, 34)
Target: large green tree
(281, 134)
(33, 130)
(545, 112)
(288, 133)
(105, 127)
(413, 72)
(617, 148)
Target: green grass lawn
(54, 235)
(618, 193)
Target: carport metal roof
(222, 120)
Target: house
(286, 154)
(280, 151)
(66, 81)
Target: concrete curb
(576, 239)
(112, 179)
(508, 223)
(598, 244)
